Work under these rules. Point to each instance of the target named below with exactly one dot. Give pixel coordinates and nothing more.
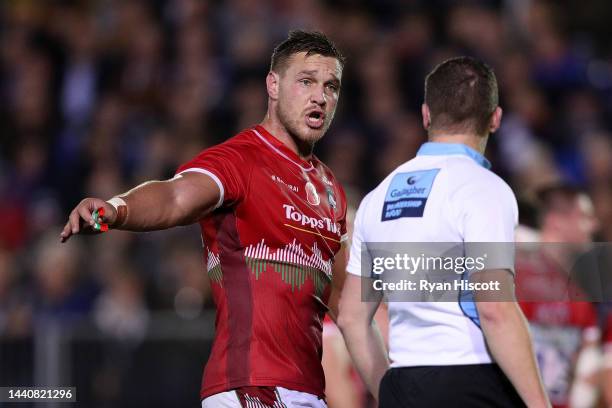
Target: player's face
(579, 223)
(583, 220)
(308, 94)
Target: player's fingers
(74, 221)
(102, 214)
(66, 232)
(85, 214)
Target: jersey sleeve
(487, 216)
(227, 166)
(358, 244)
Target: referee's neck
(478, 143)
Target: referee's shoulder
(370, 203)
(365, 201)
(469, 175)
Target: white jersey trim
(212, 176)
(263, 139)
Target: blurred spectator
(120, 311)
(563, 324)
(63, 292)
(15, 313)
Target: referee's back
(452, 341)
(445, 194)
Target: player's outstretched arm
(361, 335)
(153, 205)
(505, 330)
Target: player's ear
(426, 116)
(495, 120)
(272, 83)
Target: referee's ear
(426, 116)
(496, 118)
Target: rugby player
(273, 222)
(562, 322)
(466, 353)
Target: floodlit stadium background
(100, 95)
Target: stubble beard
(304, 139)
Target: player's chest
(278, 191)
(287, 201)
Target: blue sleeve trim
(468, 305)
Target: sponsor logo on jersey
(325, 224)
(330, 198)
(407, 194)
(326, 180)
(404, 192)
(281, 181)
(311, 194)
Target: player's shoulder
(365, 210)
(244, 141)
(243, 147)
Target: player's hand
(81, 221)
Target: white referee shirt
(445, 194)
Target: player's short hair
(310, 42)
(461, 94)
(559, 197)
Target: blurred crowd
(101, 95)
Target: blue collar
(444, 149)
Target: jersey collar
(282, 150)
(445, 149)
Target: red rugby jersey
(557, 323)
(608, 333)
(269, 249)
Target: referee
(459, 353)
